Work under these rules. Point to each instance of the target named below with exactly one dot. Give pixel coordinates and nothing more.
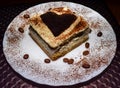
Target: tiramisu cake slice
(58, 31)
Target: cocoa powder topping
(57, 23)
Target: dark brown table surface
(110, 78)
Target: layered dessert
(58, 31)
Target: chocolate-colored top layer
(58, 23)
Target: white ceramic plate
(101, 51)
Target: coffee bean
(21, 30)
(70, 61)
(65, 60)
(49, 8)
(86, 52)
(47, 60)
(26, 16)
(26, 56)
(85, 64)
(99, 34)
(87, 45)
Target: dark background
(113, 5)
